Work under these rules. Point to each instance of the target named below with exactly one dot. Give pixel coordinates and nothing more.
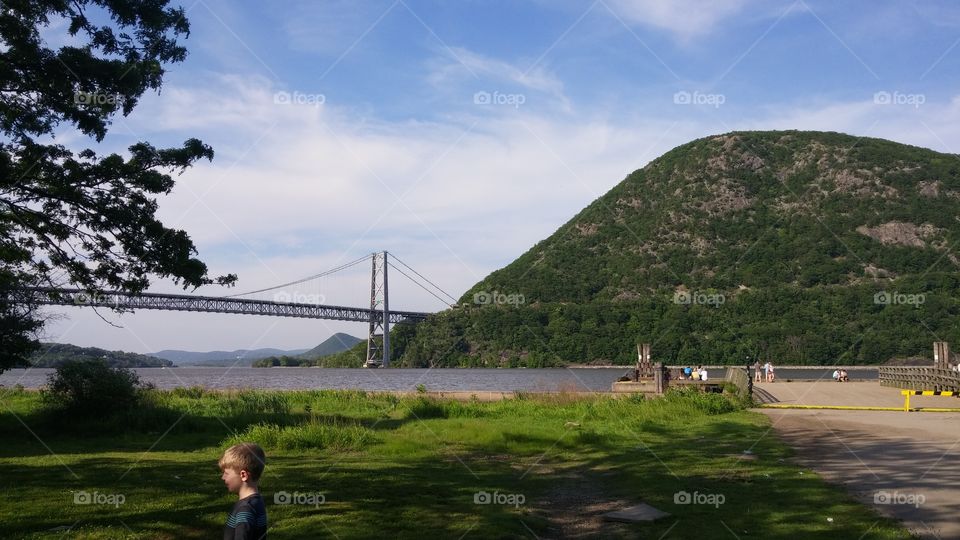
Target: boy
(242, 464)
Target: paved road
(829, 392)
(905, 464)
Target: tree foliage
(85, 218)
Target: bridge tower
(378, 344)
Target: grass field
(356, 465)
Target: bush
(94, 387)
(706, 402)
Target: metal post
(636, 369)
(941, 355)
(386, 315)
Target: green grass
(409, 467)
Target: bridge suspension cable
(309, 278)
(417, 283)
(423, 278)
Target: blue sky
(458, 134)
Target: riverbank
(434, 380)
(359, 465)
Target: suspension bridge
(378, 315)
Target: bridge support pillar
(378, 344)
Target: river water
(442, 380)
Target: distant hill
(335, 351)
(796, 246)
(52, 355)
(222, 358)
(336, 343)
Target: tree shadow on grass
(463, 489)
(184, 498)
(761, 495)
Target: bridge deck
(212, 304)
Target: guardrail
(920, 378)
(908, 393)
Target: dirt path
(907, 465)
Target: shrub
(94, 387)
(709, 402)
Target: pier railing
(920, 378)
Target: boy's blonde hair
(244, 457)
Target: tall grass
(336, 419)
(312, 435)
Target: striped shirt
(247, 520)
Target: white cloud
(462, 66)
(684, 18)
(331, 27)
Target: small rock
(636, 514)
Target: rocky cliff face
(784, 238)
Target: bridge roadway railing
(211, 304)
(920, 378)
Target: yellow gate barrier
(907, 393)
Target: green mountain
(51, 355)
(336, 343)
(339, 351)
(799, 247)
